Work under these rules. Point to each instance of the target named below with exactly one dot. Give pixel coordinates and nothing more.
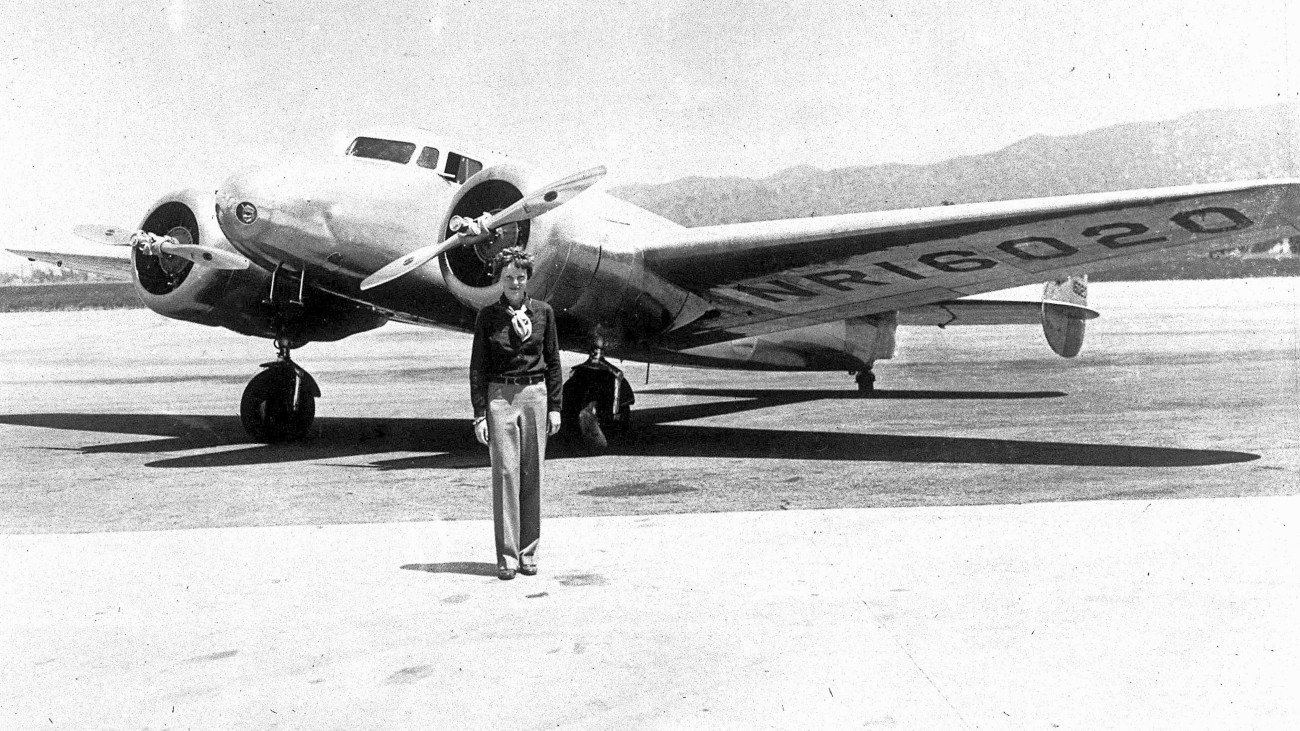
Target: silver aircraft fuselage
(339, 220)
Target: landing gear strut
(597, 402)
(279, 404)
(866, 380)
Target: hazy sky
(111, 103)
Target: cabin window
(428, 158)
(375, 149)
(460, 168)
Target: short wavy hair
(513, 255)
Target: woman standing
(515, 381)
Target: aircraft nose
(244, 202)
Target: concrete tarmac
(1005, 539)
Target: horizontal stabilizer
(988, 312)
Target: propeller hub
(171, 264)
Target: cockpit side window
(428, 158)
(376, 149)
(460, 168)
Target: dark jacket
(499, 351)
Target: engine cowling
(587, 262)
(467, 269)
(177, 288)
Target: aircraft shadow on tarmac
(449, 443)
(773, 396)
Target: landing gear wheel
(593, 437)
(866, 381)
(279, 404)
(597, 404)
(593, 427)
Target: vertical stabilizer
(1069, 291)
(1065, 303)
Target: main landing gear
(866, 380)
(279, 404)
(597, 402)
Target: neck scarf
(520, 321)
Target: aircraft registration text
(1048, 246)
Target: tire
(267, 408)
(590, 416)
(589, 431)
(866, 382)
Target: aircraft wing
(111, 261)
(771, 276)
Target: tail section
(1065, 312)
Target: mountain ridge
(1199, 147)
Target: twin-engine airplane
(318, 251)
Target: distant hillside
(1202, 147)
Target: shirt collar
(528, 302)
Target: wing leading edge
(772, 276)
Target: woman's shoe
(505, 574)
(528, 569)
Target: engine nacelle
(175, 287)
(587, 263)
(467, 270)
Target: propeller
(153, 244)
(469, 231)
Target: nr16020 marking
(1118, 235)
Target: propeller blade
(206, 256)
(410, 262)
(547, 198)
(534, 204)
(202, 255)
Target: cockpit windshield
(376, 149)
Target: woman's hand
(481, 431)
(553, 423)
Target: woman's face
(515, 281)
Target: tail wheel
(866, 381)
(279, 405)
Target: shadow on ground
(779, 396)
(449, 443)
(471, 568)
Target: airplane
(403, 225)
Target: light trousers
(516, 417)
